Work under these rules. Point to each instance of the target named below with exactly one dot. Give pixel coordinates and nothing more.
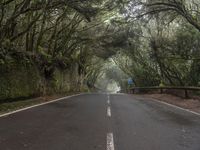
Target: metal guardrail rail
(185, 89)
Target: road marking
(108, 101)
(177, 107)
(108, 112)
(165, 103)
(110, 142)
(19, 110)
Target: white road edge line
(108, 112)
(177, 107)
(110, 142)
(165, 103)
(59, 99)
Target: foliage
(153, 42)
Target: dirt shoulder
(191, 104)
(12, 106)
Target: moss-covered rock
(18, 80)
(23, 80)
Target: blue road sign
(130, 81)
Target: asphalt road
(101, 122)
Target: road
(101, 122)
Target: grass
(11, 106)
(19, 104)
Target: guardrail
(185, 89)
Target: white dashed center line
(108, 112)
(108, 101)
(110, 141)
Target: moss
(6, 107)
(23, 80)
(62, 81)
(18, 80)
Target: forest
(57, 46)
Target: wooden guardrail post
(133, 91)
(161, 90)
(186, 93)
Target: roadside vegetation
(62, 46)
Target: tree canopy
(152, 42)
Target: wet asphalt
(82, 123)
